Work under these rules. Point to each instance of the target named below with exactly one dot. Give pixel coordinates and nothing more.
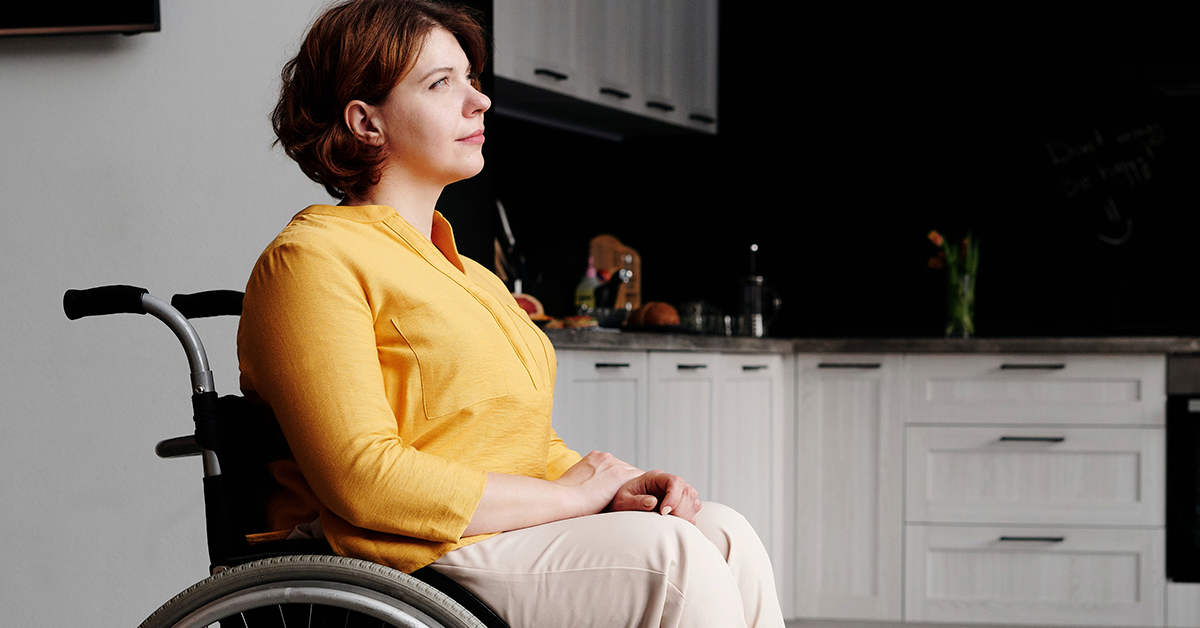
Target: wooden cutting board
(608, 253)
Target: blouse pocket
(458, 355)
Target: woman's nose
(477, 103)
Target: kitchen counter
(646, 341)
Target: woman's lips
(474, 138)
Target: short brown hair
(357, 50)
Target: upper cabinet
(647, 64)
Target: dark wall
(1068, 144)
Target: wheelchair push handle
(209, 303)
(103, 300)
(129, 299)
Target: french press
(760, 303)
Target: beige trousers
(632, 569)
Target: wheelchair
(277, 583)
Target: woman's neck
(415, 202)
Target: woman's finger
(680, 499)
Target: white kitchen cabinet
(1003, 489)
(679, 65)
(614, 52)
(683, 407)
(538, 42)
(850, 482)
(600, 402)
(1035, 575)
(749, 452)
(1007, 458)
(653, 58)
(717, 420)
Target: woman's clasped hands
(605, 483)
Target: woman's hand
(596, 479)
(596, 483)
(648, 490)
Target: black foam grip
(103, 300)
(205, 414)
(210, 303)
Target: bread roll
(636, 317)
(658, 313)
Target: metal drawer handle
(691, 367)
(1032, 367)
(699, 117)
(1033, 439)
(1034, 539)
(558, 76)
(849, 365)
(612, 365)
(754, 367)
(610, 91)
(660, 105)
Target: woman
(416, 395)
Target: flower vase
(960, 305)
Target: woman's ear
(361, 120)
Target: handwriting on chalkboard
(1105, 165)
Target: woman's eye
(441, 81)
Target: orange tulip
(936, 238)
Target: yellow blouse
(400, 373)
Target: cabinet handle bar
(1033, 439)
(691, 367)
(849, 365)
(1032, 367)
(558, 76)
(661, 106)
(1034, 539)
(609, 91)
(612, 365)
(754, 367)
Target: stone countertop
(607, 339)
(648, 341)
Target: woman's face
(432, 120)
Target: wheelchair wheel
(311, 591)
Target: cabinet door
(1043, 475)
(748, 444)
(537, 43)
(849, 477)
(600, 402)
(613, 48)
(694, 52)
(679, 39)
(1046, 389)
(1024, 575)
(682, 406)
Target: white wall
(144, 160)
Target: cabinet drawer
(1090, 476)
(1037, 389)
(1034, 576)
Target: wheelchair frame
(278, 583)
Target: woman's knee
(725, 527)
(659, 537)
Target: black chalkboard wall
(1069, 145)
